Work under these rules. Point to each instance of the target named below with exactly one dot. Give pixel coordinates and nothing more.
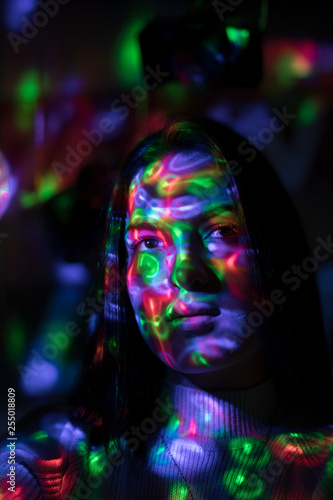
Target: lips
(183, 310)
(194, 324)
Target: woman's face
(187, 274)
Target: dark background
(63, 80)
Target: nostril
(190, 275)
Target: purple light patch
(15, 10)
(38, 382)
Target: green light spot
(113, 447)
(39, 435)
(178, 232)
(47, 189)
(143, 324)
(238, 36)
(308, 112)
(174, 423)
(178, 492)
(28, 88)
(242, 484)
(239, 447)
(113, 346)
(15, 341)
(198, 359)
(82, 448)
(97, 462)
(161, 330)
(148, 266)
(128, 53)
(247, 448)
(26, 94)
(240, 479)
(28, 200)
(183, 493)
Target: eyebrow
(153, 225)
(220, 209)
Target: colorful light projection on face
(187, 272)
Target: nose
(190, 271)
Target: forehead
(180, 184)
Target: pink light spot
(231, 260)
(152, 306)
(193, 430)
(131, 199)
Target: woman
(209, 377)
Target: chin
(204, 363)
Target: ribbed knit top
(194, 445)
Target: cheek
(234, 270)
(152, 322)
(239, 283)
(147, 278)
(147, 270)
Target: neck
(223, 414)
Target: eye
(148, 243)
(224, 231)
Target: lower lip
(197, 325)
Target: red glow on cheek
(130, 277)
(152, 304)
(236, 275)
(153, 307)
(231, 261)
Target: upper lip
(187, 310)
